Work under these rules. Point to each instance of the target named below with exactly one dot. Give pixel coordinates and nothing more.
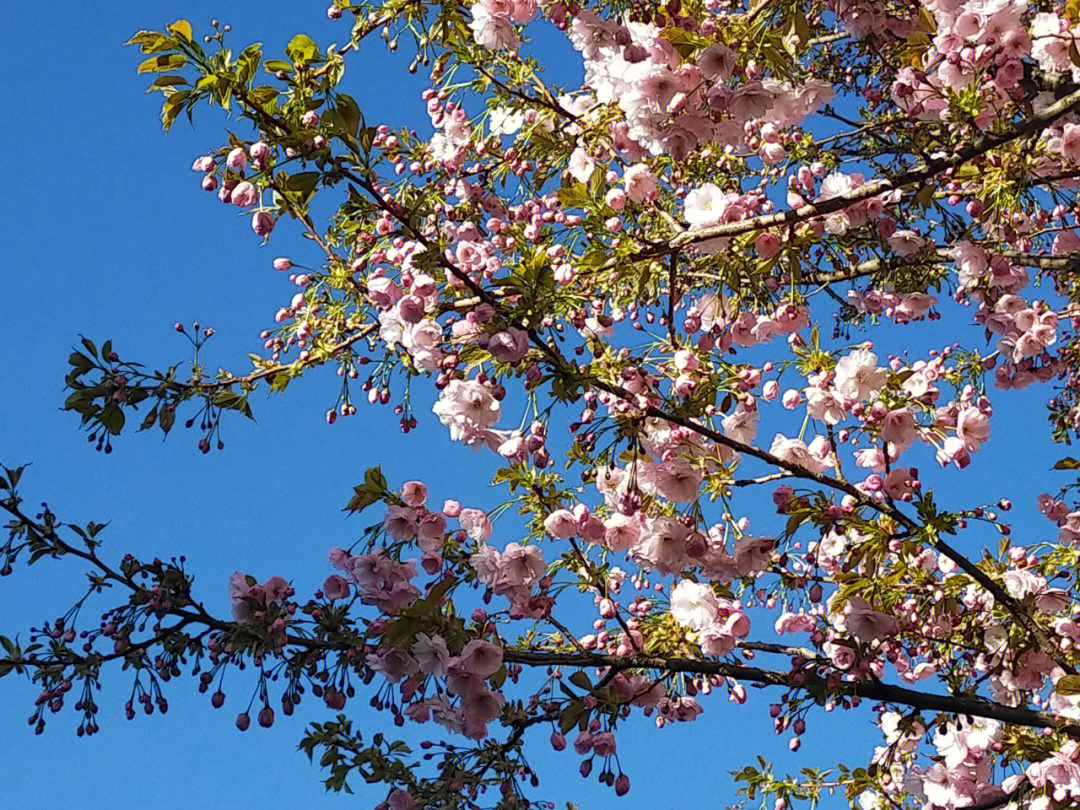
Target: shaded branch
(871, 690)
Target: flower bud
(237, 158)
(263, 222)
(244, 195)
(260, 152)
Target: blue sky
(105, 232)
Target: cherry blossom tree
(734, 221)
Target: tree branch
(920, 173)
(871, 690)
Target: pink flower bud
(244, 195)
(282, 264)
(237, 158)
(767, 245)
(263, 222)
(783, 495)
(616, 199)
(260, 152)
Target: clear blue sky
(105, 232)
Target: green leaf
(143, 37)
(1068, 685)
(171, 108)
(581, 680)
(152, 42)
(361, 500)
(182, 29)
(437, 592)
(374, 478)
(596, 183)
(925, 196)
(372, 490)
(14, 475)
(264, 95)
(275, 65)
(802, 28)
(247, 63)
(233, 401)
(302, 50)
(574, 195)
(171, 80)
(570, 716)
(80, 362)
(112, 418)
(367, 137)
(349, 111)
(303, 183)
(90, 347)
(1067, 463)
(401, 630)
(685, 42)
(592, 260)
(162, 63)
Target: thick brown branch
(870, 690)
